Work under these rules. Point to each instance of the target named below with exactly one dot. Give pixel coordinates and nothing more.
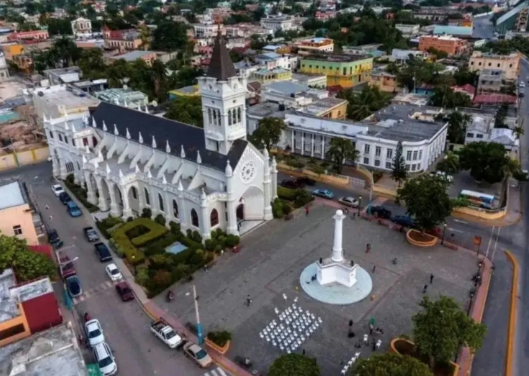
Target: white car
(57, 190)
(94, 332)
(349, 201)
(105, 359)
(113, 272)
(522, 84)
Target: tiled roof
(176, 133)
(221, 67)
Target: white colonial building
(203, 179)
(82, 28)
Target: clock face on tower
(248, 171)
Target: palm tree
(145, 37)
(457, 126)
(340, 150)
(363, 104)
(518, 132)
(159, 76)
(450, 164)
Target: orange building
(29, 36)
(13, 322)
(451, 45)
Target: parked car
(198, 354)
(403, 220)
(522, 84)
(349, 201)
(90, 234)
(166, 333)
(94, 332)
(113, 272)
(74, 286)
(103, 252)
(73, 209)
(105, 359)
(54, 240)
(66, 267)
(325, 193)
(380, 212)
(65, 198)
(124, 291)
(291, 183)
(57, 190)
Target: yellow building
(343, 70)
(509, 64)
(315, 45)
(13, 322)
(12, 50)
(266, 76)
(385, 82)
(16, 216)
(187, 91)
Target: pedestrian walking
(346, 211)
(51, 217)
(248, 301)
(431, 278)
(394, 261)
(371, 329)
(303, 351)
(373, 344)
(307, 210)
(353, 216)
(424, 289)
(351, 322)
(368, 247)
(351, 334)
(374, 267)
(46, 207)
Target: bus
(481, 200)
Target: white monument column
(337, 250)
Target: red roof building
(42, 249)
(494, 99)
(39, 303)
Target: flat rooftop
(31, 290)
(50, 353)
(12, 195)
(8, 307)
(321, 105)
(67, 99)
(132, 56)
(266, 109)
(337, 58)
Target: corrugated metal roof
(42, 313)
(452, 30)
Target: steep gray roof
(221, 67)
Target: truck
(90, 234)
(66, 267)
(166, 333)
(102, 252)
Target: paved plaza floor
(268, 268)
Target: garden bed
(420, 239)
(405, 347)
(80, 193)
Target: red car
(66, 267)
(124, 291)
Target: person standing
(431, 278)
(248, 301)
(424, 289)
(368, 248)
(307, 210)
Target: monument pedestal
(343, 272)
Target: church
(203, 178)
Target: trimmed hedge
(80, 193)
(286, 193)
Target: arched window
(147, 197)
(209, 115)
(160, 202)
(239, 115)
(214, 217)
(214, 116)
(194, 218)
(175, 209)
(78, 166)
(134, 193)
(229, 117)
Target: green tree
(341, 150)
(518, 131)
(457, 127)
(399, 172)
(186, 110)
(92, 63)
(365, 103)
(145, 36)
(442, 328)
(449, 165)
(27, 265)
(487, 161)
(57, 26)
(159, 77)
(389, 364)
(444, 96)
(465, 76)
(169, 36)
(426, 200)
(501, 114)
(294, 365)
(116, 72)
(268, 132)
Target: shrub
(102, 229)
(189, 233)
(161, 244)
(160, 219)
(175, 227)
(286, 193)
(218, 248)
(287, 209)
(183, 257)
(137, 231)
(196, 237)
(80, 193)
(69, 179)
(130, 219)
(303, 197)
(142, 276)
(134, 256)
(232, 241)
(146, 213)
(190, 243)
(197, 258)
(180, 271)
(162, 279)
(219, 338)
(111, 221)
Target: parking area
(267, 270)
(463, 180)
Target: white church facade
(204, 179)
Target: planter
(221, 350)
(407, 347)
(420, 240)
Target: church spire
(220, 66)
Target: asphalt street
(125, 325)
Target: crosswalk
(216, 372)
(93, 291)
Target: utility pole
(199, 325)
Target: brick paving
(269, 265)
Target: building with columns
(204, 179)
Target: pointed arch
(229, 117)
(194, 218)
(214, 218)
(147, 197)
(239, 115)
(134, 192)
(161, 205)
(175, 209)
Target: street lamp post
(444, 231)
(200, 336)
